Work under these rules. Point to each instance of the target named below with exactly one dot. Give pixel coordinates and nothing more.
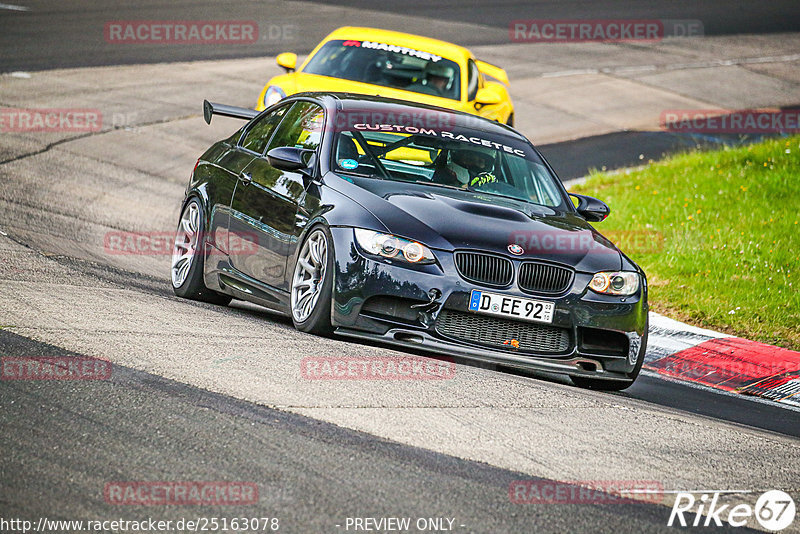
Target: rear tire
(188, 256)
(510, 120)
(312, 283)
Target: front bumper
(581, 318)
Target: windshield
(468, 161)
(388, 65)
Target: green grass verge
(718, 234)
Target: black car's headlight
(393, 247)
(615, 283)
(272, 95)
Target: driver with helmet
(437, 80)
(466, 168)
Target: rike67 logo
(774, 510)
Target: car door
(250, 144)
(220, 174)
(265, 203)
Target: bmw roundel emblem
(515, 249)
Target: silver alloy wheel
(186, 240)
(309, 275)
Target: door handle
(246, 177)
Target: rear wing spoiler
(210, 109)
(492, 71)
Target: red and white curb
(723, 362)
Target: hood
(299, 82)
(448, 219)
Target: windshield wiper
(434, 184)
(476, 191)
(503, 196)
(354, 173)
(527, 202)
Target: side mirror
(487, 95)
(289, 158)
(287, 60)
(591, 209)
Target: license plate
(514, 307)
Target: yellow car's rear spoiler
(487, 69)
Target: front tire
(187, 258)
(312, 283)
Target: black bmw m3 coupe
(414, 226)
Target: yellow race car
(396, 65)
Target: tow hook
(426, 308)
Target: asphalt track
(157, 419)
(70, 33)
(575, 159)
(166, 414)
(719, 17)
(70, 439)
(48, 35)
